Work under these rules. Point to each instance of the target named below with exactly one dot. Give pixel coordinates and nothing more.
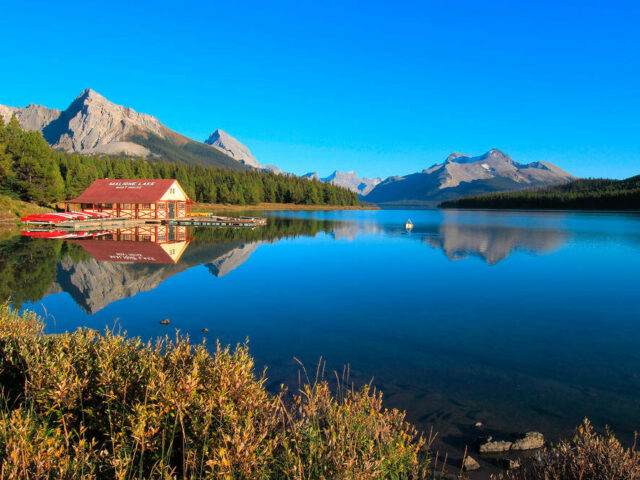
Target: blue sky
(382, 88)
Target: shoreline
(273, 207)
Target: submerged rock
(164, 321)
(489, 445)
(479, 425)
(205, 330)
(509, 463)
(528, 441)
(469, 464)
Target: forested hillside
(590, 193)
(32, 171)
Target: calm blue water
(524, 320)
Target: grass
(87, 405)
(12, 209)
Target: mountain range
(91, 124)
(350, 180)
(461, 175)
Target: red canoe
(62, 217)
(59, 234)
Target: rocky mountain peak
(495, 153)
(216, 135)
(453, 156)
(91, 95)
(92, 122)
(224, 142)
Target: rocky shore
(503, 452)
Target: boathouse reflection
(161, 244)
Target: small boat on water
(408, 225)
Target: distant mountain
(349, 180)
(274, 169)
(92, 124)
(33, 117)
(232, 147)
(461, 175)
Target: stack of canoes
(58, 217)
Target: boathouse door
(172, 209)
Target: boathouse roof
(129, 191)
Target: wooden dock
(116, 223)
(214, 221)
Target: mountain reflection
(492, 243)
(101, 270)
(114, 265)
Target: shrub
(590, 456)
(87, 405)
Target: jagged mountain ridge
(350, 180)
(460, 175)
(94, 125)
(224, 142)
(31, 117)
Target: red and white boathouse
(133, 198)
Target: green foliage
(28, 267)
(91, 406)
(32, 171)
(592, 193)
(28, 165)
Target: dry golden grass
(589, 456)
(86, 405)
(11, 209)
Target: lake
(520, 320)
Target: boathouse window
(146, 206)
(161, 206)
(86, 206)
(172, 190)
(146, 238)
(106, 205)
(126, 206)
(181, 206)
